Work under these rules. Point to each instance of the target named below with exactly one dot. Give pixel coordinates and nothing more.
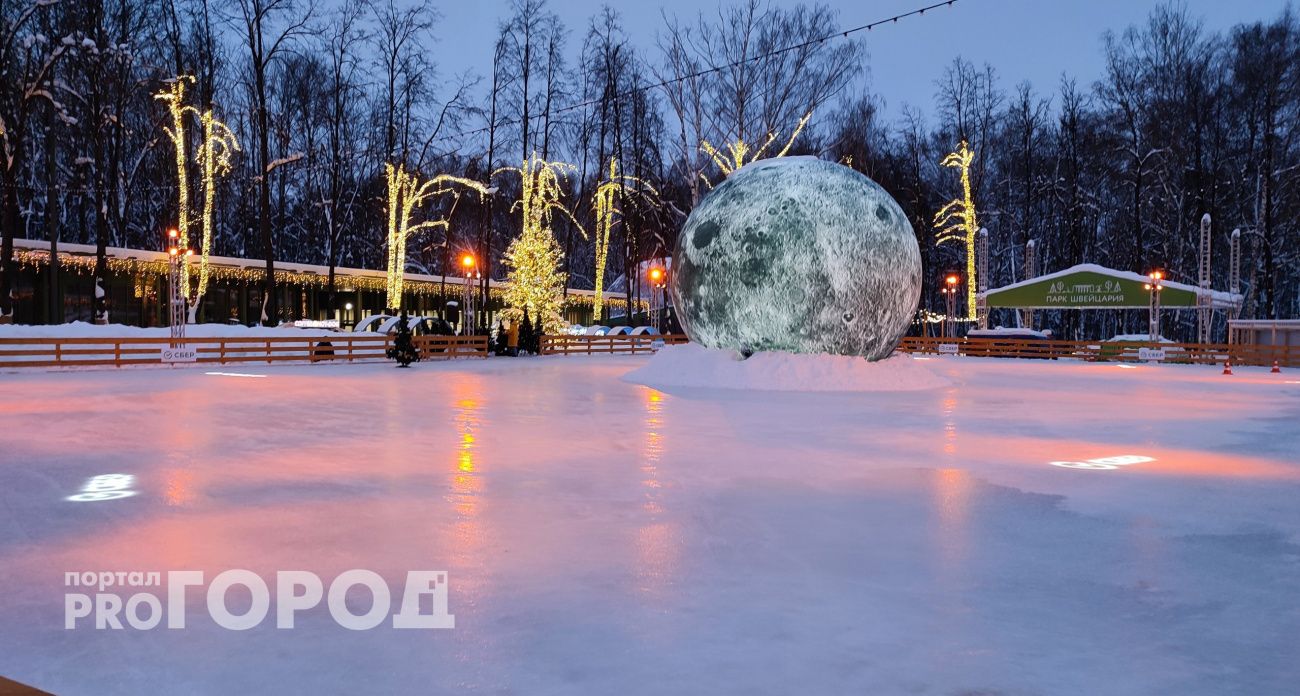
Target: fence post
(117, 353)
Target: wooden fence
(1102, 351)
(118, 352)
(221, 350)
(597, 345)
(445, 347)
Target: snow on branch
(283, 161)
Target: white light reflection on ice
(233, 374)
(105, 487)
(1106, 462)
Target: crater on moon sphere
(801, 255)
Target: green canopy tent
(1089, 286)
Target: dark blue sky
(1031, 40)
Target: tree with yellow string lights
(956, 220)
(605, 201)
(406, 193)
(214, 154)
(735, 155)
(534, 257)
(174, 97)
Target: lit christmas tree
(534, 257)
(536, 279)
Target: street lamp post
(469, 267)
(658, 282)
(1154, 285)
(177, 267)
(949, 289)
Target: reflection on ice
(105, 487)
(656, 552)
(1105, 462)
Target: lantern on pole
(658, 284)
(1155, 283)
(950, 288)
(177, 270)
(469, 269)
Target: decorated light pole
(1154, 285)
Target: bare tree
(27, 61)
(271, 26)
(767, 69)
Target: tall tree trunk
(55, 311)
(11, 219)
(271, 300)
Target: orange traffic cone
(1227, 367)
(1276, 368)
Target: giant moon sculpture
(797, 254)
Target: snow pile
(1004, 332)
(691, 365)
(1136, 338)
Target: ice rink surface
(607, 538)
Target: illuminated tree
(738, 154)
(214, 155)
(956, 220)
(606, 204)
(174, 97)
(534, 257)
(406, 193)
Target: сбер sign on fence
(177, 355)
(1151, 353)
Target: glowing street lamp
(658, 299)
(469, 268)
(1155, 283)
(177, 274)
(949, 290)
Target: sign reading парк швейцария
(1103, 292)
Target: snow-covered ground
(603, 537)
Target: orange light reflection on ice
(656, 540)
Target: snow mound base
(691, 365)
